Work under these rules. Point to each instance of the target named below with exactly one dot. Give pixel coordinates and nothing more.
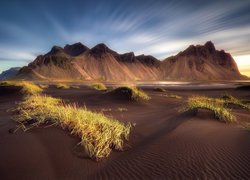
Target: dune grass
(62, 86)
(159, 89)
(30, 88)
(26, 86)
(215, 105)
(75, 87)
(121, 109)
(6, 83)
(43, 86)
(99, 86)
(99, 134)
(229, 99)
(172, 96)
(247, 126)
(133, 93)
(106, 110)
(138, 94)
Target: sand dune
(164, 144)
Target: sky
(157, 27)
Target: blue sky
(160, 28)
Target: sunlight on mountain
(243, 64)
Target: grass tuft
(160, 89)
(229, 99)
(172, 96)
(75, 87)
(121, 109)
(247, 127)
(30, 88)
(26, 87)
(6, 83)
(106, 110)
(99, 134)
(99, 86)
(62, 86)
(43, 86)
(133, 93)
(215, 105)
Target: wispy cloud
(8, 53)
(161, 28)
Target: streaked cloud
(161, 28)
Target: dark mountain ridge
(10, 73)
(77, 61)
(201, 63)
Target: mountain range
(78, 62)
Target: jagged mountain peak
(202, 62)
(132, 54)
(55, 50)
(199, 62)
(148, 59)
(100, 49)
(199, 50)
(128, 57)
(209, 44)
(75, 49)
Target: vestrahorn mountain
(77, 61)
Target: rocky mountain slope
(101, 63)
(201, 63)
(9, 73)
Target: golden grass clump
(172, 96)
(138, 94)
(159, 89)
(75, 87)
(62, 86)
(121, 109)
(43, 86)
(99, 134)
(6, 83)
(215, 105)
(30, 88)
(133, 93)
(229, 99)
(247, 127)
(99, 86)
(106, 110)
(26, 87)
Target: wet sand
(164, 144)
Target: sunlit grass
(26, 86)
(99, 86)
(229, 99)
(99, 134)
(247, 126)
(75, 87)
(6, 83)
(138, 94)
(160, 89)
(215, 105)
(62, 86)
(121, 109)
(172, 96)
(30, 88)
(43, 86)
(133, 93)
(106, 109)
